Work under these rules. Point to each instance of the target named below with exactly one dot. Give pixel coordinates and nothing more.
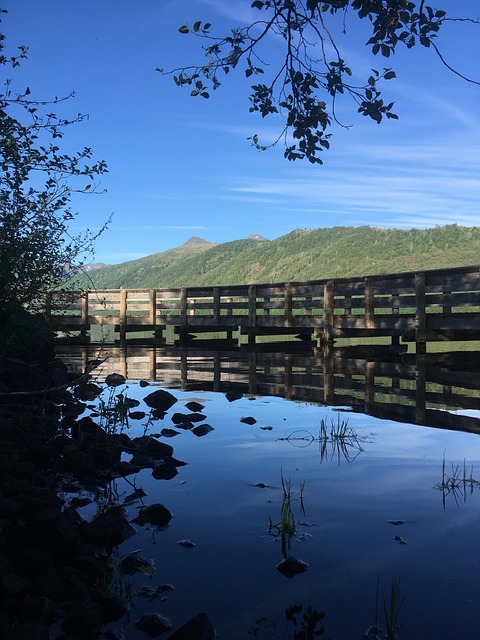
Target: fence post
(369, 386)
(216, 305)
(420, 389)
(369, 303)
(123, 315)
(328, 311)
(288, 319)
(252, 313)
(84, 311)
(420, 315)
(153, 307)
(183, 307)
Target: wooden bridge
(420, 307)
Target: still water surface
(343, 531)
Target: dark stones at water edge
(194, 406)
(115, 379)
(155, 514)
(153, 624)
(197, 628)
(160, 399)
(291, 566)
(202, 430)
(108, 529)
(152, 447)
(179, 418)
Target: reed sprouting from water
(459, 482)
(338, 440)
(286, 527)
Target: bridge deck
(422, 306)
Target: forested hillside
(299, 255)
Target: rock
(54, 533)
(133, 563)
(160, 399)
(194, 406)
(115, 379)
(202, 430)
(144, 383)
(169, 433)
(153, 624)
(86, 429)
(112, 605)
(137, 415)
(231, 396)
(177, 463)
(197, 628)
(248, 420)
(186, 543)
(152, 447)
(165, 471)
(292, 566)
(155, 514)
(87, 391)
(108, 529)
(179, 418)
(186, 426)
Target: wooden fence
(440, 390)
(425, 306)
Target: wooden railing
(422, 306)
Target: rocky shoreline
(56, 568)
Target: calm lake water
(345, 493)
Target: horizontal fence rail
(416, 307)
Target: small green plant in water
(457, 483)
(391, 612)
(340, 441)
(287, 527)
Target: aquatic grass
(391, 613)
(339, 441)
(336, 440)
(457, 483)
(391, 610)
(286, 528)
(113, 411)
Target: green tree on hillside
(305, 83)
(37, 181)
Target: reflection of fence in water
(427, 390)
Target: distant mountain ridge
(299, 255)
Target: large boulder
(160, 399)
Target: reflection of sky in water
(230, 573)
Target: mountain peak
(197, 240)
(257, 236)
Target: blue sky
(180, 166)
